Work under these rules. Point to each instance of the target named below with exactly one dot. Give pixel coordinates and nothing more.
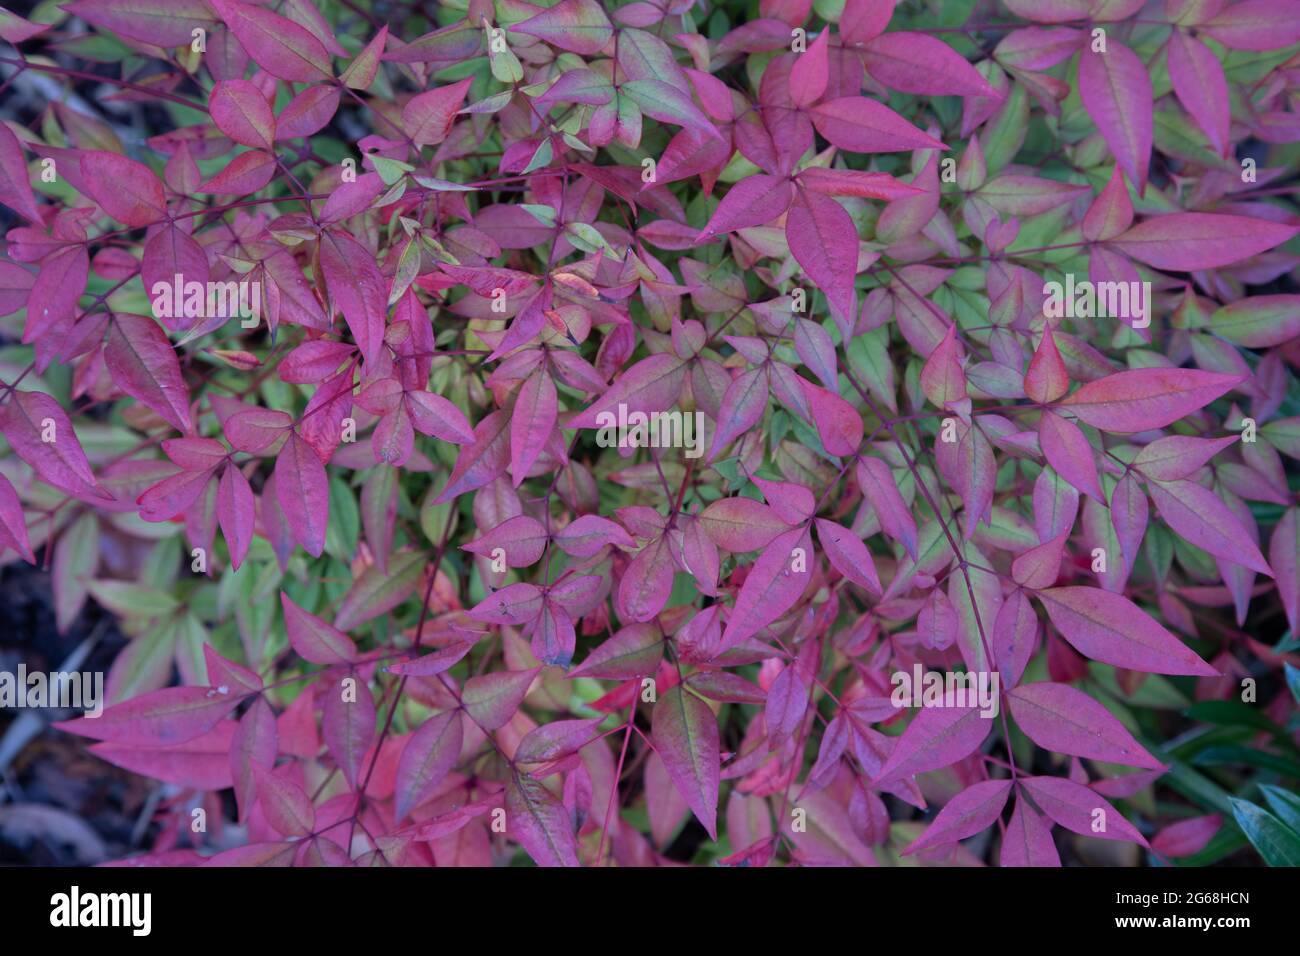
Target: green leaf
(129, 599)
(1276, 843)
(1284, 803)
(376, 592)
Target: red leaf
(428, 116)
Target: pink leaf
(277, 44)
(634, 651)
(15, 187)
(1112, 629)
(348, 723)
(144, 364)
(314, 639)
(579, 26)
(1187, 837)
(810, 71)
(540, 823)
(848, 555)
(1200, 86)
(741, 524)
(13, 526)
(236, 511)
(852, 182)
(1040, 566)
(126, 190)
(483, 459)
(586, 535)
(774, 584)
(303, 492)
(1028, 840)
(824, 241)
(1143, 399)
(838, 423)
(1255, 25)
(240, 110)
(651, 385)
(1115, 87)
(1068, 451)
(1178, 456)
(41, 434)
(972, 811)
(1185, 241)
(426, 759)
(492, 699)
(1283, 551)
(919, 63)
(1075, 807)
(754, 201)
(860, 125)
(743, 404)
(161, 717)
(1197, 515)
(685, 735)
(942, 378)
(357, 288)
(287, 807)
(936, 737)
(428, 116)
(521, 538)
(879, 488)
(1111, 212)
(531, 422)
(1058, 717)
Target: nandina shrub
(591, 432)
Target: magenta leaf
(1058, 717)
(972, 811)
(685, 735)
(1110, 628)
